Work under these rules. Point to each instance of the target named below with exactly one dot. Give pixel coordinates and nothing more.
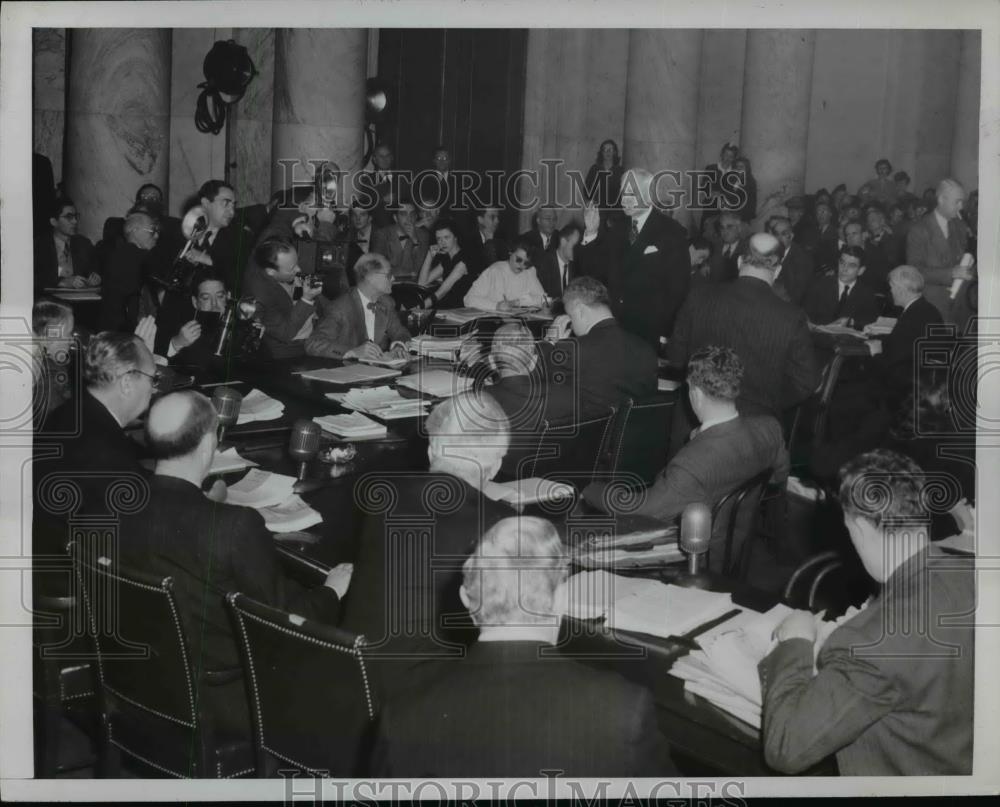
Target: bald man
(644, 262)
(210, 549)
(125, 272)
(936, 243)
(770, 335)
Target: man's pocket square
(650, 250)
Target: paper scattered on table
(462, 315)
(641, 605)
(349, 374)
(838, 330)
(667, 385)
(352, 426)
(437, 383)
(384, 403)
(658, 555)
(259, 406)
(261, 488)
(881, 326)
(393, 363)
(435, 347)
(521, 492)
(229, 460)
(291, 515)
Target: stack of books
(354, 426)
(259, 406)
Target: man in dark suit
(647, 260)
(843, 299)
(288, 322)
(557, 267)
(402, 243)
(603, 364)
(895, 354)
(936, 244)
(382, 186)
(723, 262)
(769, 335)
(514, 707)
(126, 274)
(61, 256)
(803, 226)
(883, 250)
(404, 594)
(826, 249)
(209, 549)
(887, 702)
(360, 237)
(543, 236)
(795, 271)
(484, 246)
(188, 326)
(363, 323)
(43, 192)
(726, 450)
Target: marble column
(965, 146)
(252, 120)
(48, 94)
(720, 95)
(117, 117)
(319, 100)
(776, 88)
(939, 96)
(661, 108)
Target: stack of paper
(259, 406)
(381, 402)
(261, 489)
(881, 327)
(522, 492)
(352, 426)
(290, 516)
(435, 347)
(461, 315)
(387, 361)
(437, 383)
(349, 374)
(228, 460)
(641, 605)
(838, 330)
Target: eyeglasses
(153, 230)
(518, 260)
(70, 216)
(155, 378)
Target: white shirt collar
(364, 299)
(841, 285)
(942, 222)
(640, 220)
(910, 303)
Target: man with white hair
(124, 273)
(645, 262)
(935, 245)
(209, 549)
(770, 335)
(514, 707)
(417, 530)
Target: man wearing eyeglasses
(508, 285)
(125, 272)
(362, 324)
(62, 256)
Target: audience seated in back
(402, 243)
(363, 323)
(602, 362)
(795, 272)
(446, 268)
(543, 235)
(556, 267)
(844, 299)
(514, 707)
(747, 183)
(883, 188)
(405, 583)
(62, 257)
(726, 250)
(883, 250)
(803, 225)
(885, 702)
(209, 549)
(52, 326)
(604, 181)
(769, 335)
(724, 452)
(700, 250)
(288, 320)
(360, 236)
(125, 296)
(826, 234)
(485, 245)
(508, 285)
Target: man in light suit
(513, 707)
(890, 692)
(935, 245)
(648, 266)
(362, 324)
(402, 242)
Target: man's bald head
(177, 424)
(950, 198)
(763, 253)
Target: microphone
(227, 402)
(696, 533)
(303, 444)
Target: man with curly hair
(890, 691)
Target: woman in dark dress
(446, 265)
(604, 179)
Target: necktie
(843, 300)
(633, 233)
(372, 306)
(566, 271)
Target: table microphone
(227, 402)
(696, 533)
(303, 444)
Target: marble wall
(48, 96)
(252, 119)
(118, 119)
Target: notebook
(349, 374)
(351, 426)
(261, 488)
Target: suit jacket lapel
(381, 317)
(359, 308)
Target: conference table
(709, 740)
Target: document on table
(257, 405)
(291, 515)
(394, 364)
(437, 383)
(642, 605)
(528, 491)
(349, 374)
(229, 460)
(839, 330)
(463, 315)
(261, 488)
(882, 326)
(351, 426)
(435, 346)
(384, 403)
